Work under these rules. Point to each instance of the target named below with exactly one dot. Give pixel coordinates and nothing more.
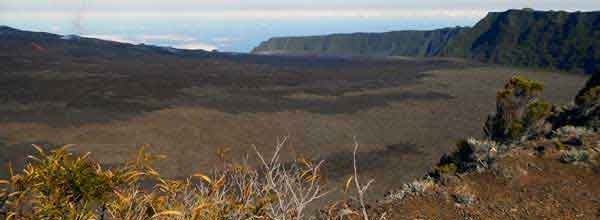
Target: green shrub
(59, 186)
(538, 110)
(574, 155)
(517, 129)
(446, 169)
(571, 135)
(470, 154)
(463, 152)
(559, 145)
(571, 131)
(518, 111)
(524, 85)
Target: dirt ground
(109, 98)
(402, 129)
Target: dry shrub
(57, 185)
(354, 206)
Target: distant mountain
(397, 43)
(20, 42)
(555, 39)
(551, 39)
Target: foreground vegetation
(537, 161)
(524, 137)
(59, 185)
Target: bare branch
(360, 190)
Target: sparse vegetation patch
(519, 112)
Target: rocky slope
(397, 43)
(537, 161)
(521, 170)
(537, 179)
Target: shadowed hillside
(397, 43)
(548, 39)
(555, 39)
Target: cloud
(220, 5)
(167, 37)
(224, 42)
(110, 37)
(55, 28)
(177, 41)
(266, 14)
(197, 46)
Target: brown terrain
(109, 98)
(525, 184)
(535, 162)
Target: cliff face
(397, 43)
(549, 39)
(559, 40)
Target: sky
(240, 25)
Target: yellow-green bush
(531, 87)
(518, 111)
(539, 110)
(60, 186)
(559, 145)
(446, 169)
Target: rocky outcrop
(593, 82)
(586, 108)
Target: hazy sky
(176, 5)
(238, 25)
